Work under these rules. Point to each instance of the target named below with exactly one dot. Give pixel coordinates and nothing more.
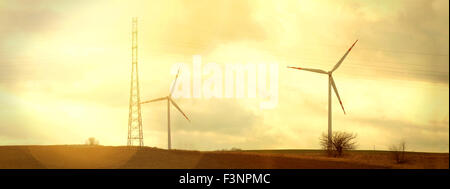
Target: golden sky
(65, 71)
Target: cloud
(406, 40)
(25, 17)
(432, 136)
(22, 22)
(214, 115)
(410, 42)
(197, 27)
(17, 122)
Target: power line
(395, 67)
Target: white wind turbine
(330, 84)
(169, 100)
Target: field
(109, 157)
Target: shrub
(399, 152)
(340, 142)
(91, 141)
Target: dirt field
(107, 157)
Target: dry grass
(415, 160)
(93, 157)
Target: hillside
(108, 157)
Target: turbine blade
(176, 106)
(337, 93)
(174, 83)
(157, 99)
(309, 69)
(342, 59)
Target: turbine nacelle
(331, 82)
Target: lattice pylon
(135, 136)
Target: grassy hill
(109, 157)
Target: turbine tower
(330, 84)
(135, 137)
(169, 100)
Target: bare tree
(399, 152)
(91, 141)
(340, 142)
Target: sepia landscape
(224, 84)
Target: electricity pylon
(135, 137)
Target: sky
(65, 71)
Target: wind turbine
(330, 84)
(169, 100)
